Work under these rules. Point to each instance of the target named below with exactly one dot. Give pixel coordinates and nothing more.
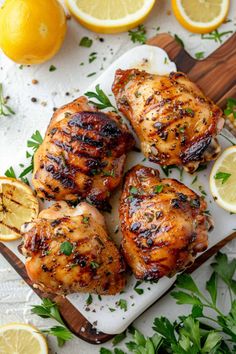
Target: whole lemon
(31, 31)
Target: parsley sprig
(138, 34)
(33, 143)
(192, 334)
(49, 309)
(223, 176)
(5, 110)
(101, 97)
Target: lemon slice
(17, 206)
(19, 338)
(223, 180)
(200, 16)
(110, 16)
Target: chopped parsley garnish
(179, 40)
(5, 110)
(224, 176)
(85, 220)
(122, 304)
(111, 309)
(133, 190)
(91, 74)
(199, 55)
(92, 57)
(86, 42)
(101, 97)
(165, 60)
(189, 111)
(215, 35)
(158, 189)
(138, 35)
(94, 265)
(137, 289)
(66, 248)
(52, 68)
(10, 173)
(231, 107)
(194, 180)
(89, 300)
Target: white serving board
(151, 59)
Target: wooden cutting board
(216, 75)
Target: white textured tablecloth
(57, 88)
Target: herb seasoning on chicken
(176, 123)
(163, 224)
(82, 155)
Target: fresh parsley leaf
(66, 248)
(185, 281)
(199, 55)
(224, 176)
(105, 351)
(10, 172)
(225, 269)
(122, 304)
(158, 189)
(119, 338)
(89, 300)
(231, 107)
(52, 68)
(138, 35)
(35, 141)
(61, 333)
(49, 309)
(137, 289)
(101, 97)
(211, 287)
(5, 110)
(185, 298)
(86, 42)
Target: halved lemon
(200, 16)
(17, 206)
(110, 16)
(223, 180)
(19, 338)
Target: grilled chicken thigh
(163, 224)
(82, 155)
(176, 123)
(68, 250)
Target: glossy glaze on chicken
(82, 155)
(176, 123)
(68, 250)
(163, 224)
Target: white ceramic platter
(104, 313)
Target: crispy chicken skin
(94, 264)
(162, 222)
(176, 123)
(82, 155)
